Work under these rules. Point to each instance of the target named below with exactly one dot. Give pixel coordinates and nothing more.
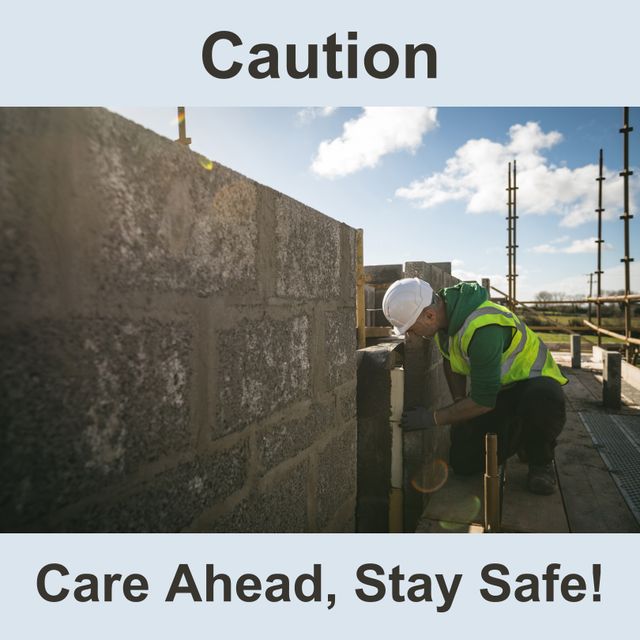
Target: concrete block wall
(177, 341)
(424, 385)
(374, 434)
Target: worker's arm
(459, 411)
(418, 418)
(457, 383)
(485, 352)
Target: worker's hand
(417, 418)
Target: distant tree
(618, 305)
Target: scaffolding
(600, 210)
(626, 216)
(630, 344)
(511, 235)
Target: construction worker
(515, 385)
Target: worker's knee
(542, 406)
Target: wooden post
(182, 127)
(360, 306)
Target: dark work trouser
(528, 416)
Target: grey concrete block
(374, 435)
(346, 401)
(278, 507)
(417, 352)
(416, 269)
(611, 379)
(169, 501)
(435, 277)
(169, 224)
(576, 356)
(424, 450)
(450, 281)
(286, 438)
(18, 263)
(86, 402)
(34, 165)
(128, 208)
(443, 266)
(336, 474)
(348, 269)
(308, 252)
(340, 352)
(383, 273)
(270, 369)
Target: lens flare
(452, 526)
(462, 513)
(432, 476)
(207, 164)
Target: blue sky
(428, 184)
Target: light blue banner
(151, 53)
(429, 584)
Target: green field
(565, 338)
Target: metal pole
(491, 484)
(626, 216)
(599, 241)
(590, 293)
(514, 217)
(182, 127)
(509, 274)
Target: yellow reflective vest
(526, 357)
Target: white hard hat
(404, 300)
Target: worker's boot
(542, 479)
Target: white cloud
(544, 248)
(373, 134)
(306, 115)
(477, 177)
(496, 279)
(587, 245)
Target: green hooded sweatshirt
(487, 345)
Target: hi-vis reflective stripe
(526, 356)
(484, 311)
(541, 358)
(522, 332)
